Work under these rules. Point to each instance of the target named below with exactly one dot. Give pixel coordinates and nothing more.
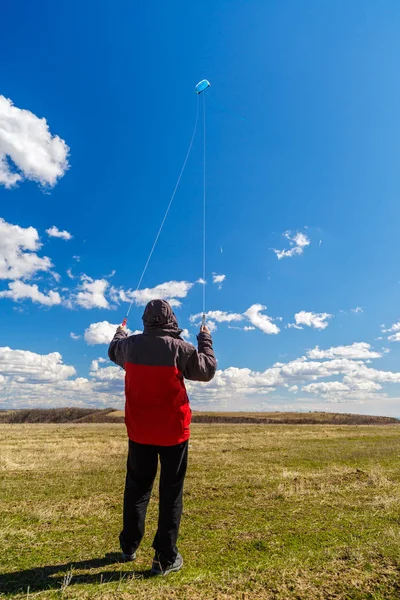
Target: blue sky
(302, 139)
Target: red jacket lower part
(157, 409)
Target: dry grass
(271, 512)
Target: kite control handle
(203, 320)
(124, 322)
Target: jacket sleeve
(201, 364)
(117, 348)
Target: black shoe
(128, 557)
(160, 567)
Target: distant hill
(111, 415)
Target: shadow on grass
(60, 576)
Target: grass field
(271, 512)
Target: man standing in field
(157, 417)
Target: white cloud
(253, 314)
(358, 350)
(170, 291)
(345, 391)
(364, 385)
(105, 373)
(201, 281)
(55, 232)
(186, 334)
(211, 326)
(219, 279)
(298, 241)
(394, 330)
(91, 294)
(102, 333)
(263, 322)
(27, 378)
(26, 140)
(74, 336)
(19, 290)
(325, 387)
(70, 274)
(25, 366)
(220, 316)
(357, 310)
(310, 319)
(235, 385)
(18, 247)
(77, 258)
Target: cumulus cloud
(102, 333)
(170, 291)
(218, 279)
(105, 373)
(359, 382)
(90, 294)
(357, 350)
(28, 379)
(27, 148)
(298, 241)
(220, 316)
(212, 326)
(261, 321)
(395, 337)
(310, 319)
(55, 232)
(325, 387)
(253, 314)
(18, 290)
(394, 330)
(18, 252)
(33, 379)
(25, 366)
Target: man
(157, 417)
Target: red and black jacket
(157, 409)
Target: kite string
(167, 211)
(204, 210)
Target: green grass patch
(271, 512)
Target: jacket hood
(159, 319)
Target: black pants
(141, 471)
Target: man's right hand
(204, 329)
